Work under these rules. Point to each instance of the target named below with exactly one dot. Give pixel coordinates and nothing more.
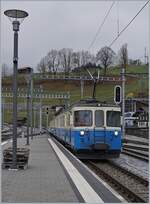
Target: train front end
(97, 132)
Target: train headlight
(82, 132)
(116, 133)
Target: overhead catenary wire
(101, 25)
(118, 17)
(114, 40)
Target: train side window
(99, 118)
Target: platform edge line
(73, 172)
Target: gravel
(135, 165)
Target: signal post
(47, 114)
(119, 97)
(123, 100)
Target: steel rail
(130, 185)
(129, 173)
(9, 134)
(135, 155)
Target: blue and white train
(92, 129)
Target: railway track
(9, 134)
(132, 187)
(137, 147)
(136, 154)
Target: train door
(99, 138)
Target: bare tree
(52, 61)
(105, 57)
(123, 56)
(76, 59)
(83, 58)
(41, 67)
(80, 58)
(66, 59)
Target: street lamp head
(16, 17)
(16, 14)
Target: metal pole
(145, 55)
(15, 62)
(40, 109)
(28, 109)
(31, 104)
(3, 108)
(47, 120)
(94, 89)
(82, 87)
(34, 119)
(123, 101)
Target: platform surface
(54, 175)
(43, 181)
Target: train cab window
(99, 118)
(113, 118)
(82, 118)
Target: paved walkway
(43, 181)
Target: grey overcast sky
(72, 24)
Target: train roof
(86, 103)
(93, 103)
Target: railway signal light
(117, 94)
(47, 110)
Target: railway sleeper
(131, 174)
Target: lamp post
(16, 17)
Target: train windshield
(82, 118)
(99, 118)
(113, 118)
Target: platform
(53, 175)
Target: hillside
(104, 90)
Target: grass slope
(104, 91)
